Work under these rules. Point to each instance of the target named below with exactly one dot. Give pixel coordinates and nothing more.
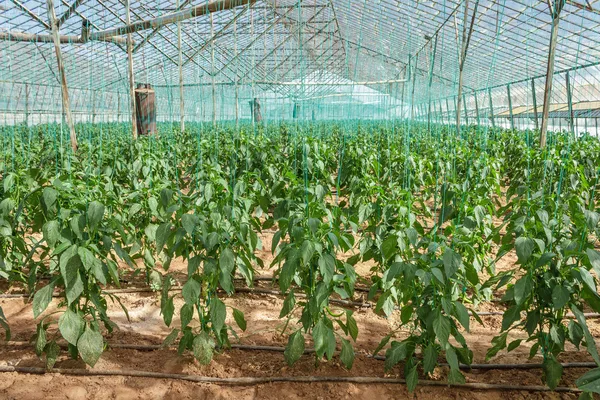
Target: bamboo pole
(181, 99)
(570, 102)
(66, 104)
(466, 38)
(43, 38)
(555, 12)
(134, 131)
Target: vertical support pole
(412, 95)
(66, 104)
(464, 98)
(212, 70)
(476, 108)
(448, 111)
(510, 108)
(235, 54)
(26, 104)
(118, 107)
(492, 119)
(466, 38)
(535, 110)
(93, 107)
(130, 73)
(570, 103)
(555, 12)
(432, 62)
(181, 99)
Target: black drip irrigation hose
(277, 349)
(346, 303)
(248, 381)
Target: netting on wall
(304, 59)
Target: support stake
(555, 9)
(61, 72)
(510, 108)
(130, 73)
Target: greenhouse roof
(304, 49)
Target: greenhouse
(299, 199)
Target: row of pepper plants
(433, 212)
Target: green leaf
(395, 354)
(238, 316)
(287, 272)
(524, 247)
(69, 268)
(70, 325)
(388, 247)
(552, 371)
(186, 314)
(327, 267)
(288, 304)
(320, 336)
(51, 231)
(90, 346)
(594, 257)
(189, 222)
(295, 348)
(42, 298)
(52, 351)
(589, 339)
(587, 279)
(40, 340)
(167, 309)
(590, 381)
(430, 355)
(162, 235)
(441, 328)
(91, 264)
(49, 196)
(452, 261)
(218, 313)
(203, 347)
(462, 314)
(523, 289)
(412, 379)
(351, 324)
(511, 315)
(191, 291)
(226, 267)
(95, 213)
(560, 297)
(307, 250)
(347, 354)
(513, 345)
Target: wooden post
(66, 104)
(570, 103)
(555, 10)
(181, 99)
(466, 38)
(130, 73)
(510, 109)
(491, 108)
